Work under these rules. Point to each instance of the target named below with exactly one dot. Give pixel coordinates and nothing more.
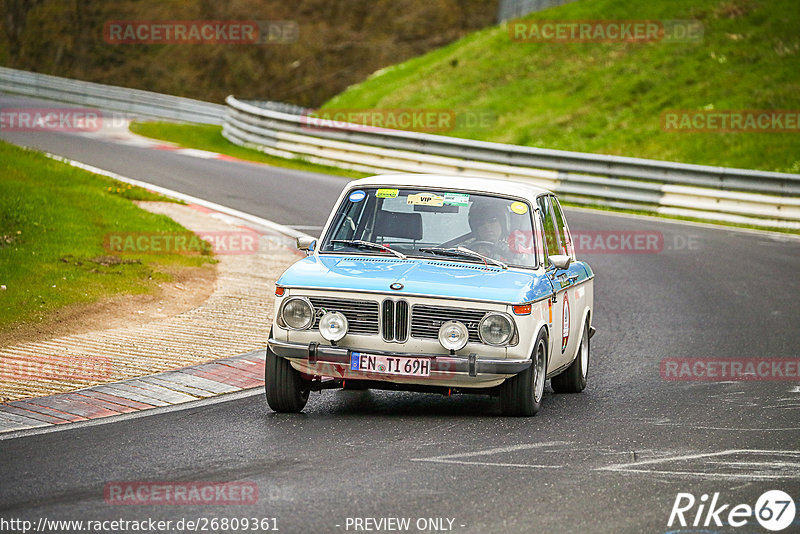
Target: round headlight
(453, 335)
(496, 328)
(297, 313)
(333, 326)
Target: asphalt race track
(612, 459)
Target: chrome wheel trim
(584, 352)
(539, 377)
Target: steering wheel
(495, 250)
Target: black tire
(521, 395)
(285, 389)
(573, 379)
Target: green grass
(608, 98)
(209, 137)
(53, 222)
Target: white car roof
(443, 181)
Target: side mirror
(561, 261)
(306, 243)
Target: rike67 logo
(774, 510)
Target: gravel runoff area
(234, 320)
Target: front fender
(529, 327)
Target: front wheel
(521, 395)
(285, 389)
(573, 379)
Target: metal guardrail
(717, 193)
(111, 98)
(512, 9)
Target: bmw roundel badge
(397, 286)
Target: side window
(564, 236)
(351, 213)
(549, 227)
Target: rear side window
(564, 237)
(548, 226)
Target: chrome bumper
(469, 365)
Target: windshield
(430, 223)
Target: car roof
(443, 181)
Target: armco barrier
(717, 193)
(513, 9)
(108, 97)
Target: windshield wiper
(463, 252)
(368, 244)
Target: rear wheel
(573, 379)
(285, 389)
(522, 394)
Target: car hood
(435, 278)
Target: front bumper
(471, 365)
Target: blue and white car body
(404, 310)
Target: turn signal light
(279, 291)
(522, 309)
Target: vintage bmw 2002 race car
(434, 284)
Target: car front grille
(362, 315)
(390, 318)
(426, 320)
(394, 324)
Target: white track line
(451, 458)
(637, 467)
(280, 228)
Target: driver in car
(489, 234)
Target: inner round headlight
(333, 326)
(298, 313)
(496, 328)
(453, 335)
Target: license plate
(390, 365)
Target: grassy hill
(609, 97)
